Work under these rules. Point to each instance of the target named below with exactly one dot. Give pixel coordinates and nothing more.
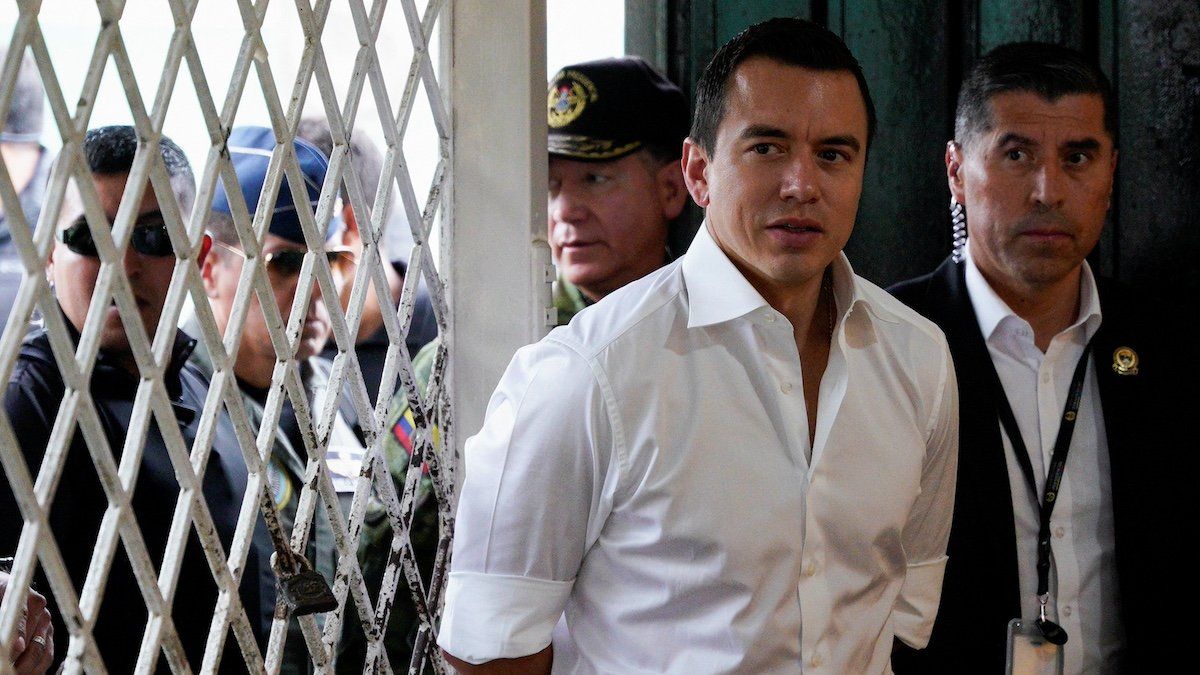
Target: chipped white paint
(493, 192)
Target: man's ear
(672, 193)
(205, 247)
(695, 171)
(350, 235)
(50, 262)
(208, 264)
(954, 163)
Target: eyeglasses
(286, 263)
(150, 239)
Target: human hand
(33, 650)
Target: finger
(40, 654)
(49, 640)
(47, 658)
(35, 602)
(19, 644)
(40, 626)
(35, 605)
(29, 661)
(32, 640)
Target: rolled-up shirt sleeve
(539, 480)
(928, 528)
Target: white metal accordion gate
(495, 32)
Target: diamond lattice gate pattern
(363, 94)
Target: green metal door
(914, 53)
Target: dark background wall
(914, 53)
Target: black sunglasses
(148, 239)
(288, 262)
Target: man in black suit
(1078, 368)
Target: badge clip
(1053, 632)
(1125, 361)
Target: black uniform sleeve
(31, 401)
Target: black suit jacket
(1152, 465)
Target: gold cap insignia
(567, 98)
(1125, 361)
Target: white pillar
(499, 267)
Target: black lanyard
(1058, 460)
(1058, 464)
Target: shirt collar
(718, 292)
(848, 292)
(990, 310)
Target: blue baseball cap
(250, 151)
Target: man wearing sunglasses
(283, 254)
(36, 391)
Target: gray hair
(220, 226)
(366, 158)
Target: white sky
(577, 30)
(582, 30)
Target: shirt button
(811, 568)
(1046, 377)
(1060, 532)
(769, 316)
(786, 387)
(1066, 610)
(815, 661)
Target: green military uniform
(569, 300)
(285, 474)
(376, 539)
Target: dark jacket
(372, 351)
(1152, 469)
(32, 399)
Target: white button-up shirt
(642, 475)
(1083, 571)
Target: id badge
(1029, 653)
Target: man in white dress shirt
(1032, 162)
(742, 462)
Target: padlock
(306, 591)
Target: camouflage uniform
(376, 539)
(285, 473)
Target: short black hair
(795, 42)
(367, 159)
(110, 150)
(1048, 70)
(23, 123)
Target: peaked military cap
(603, 110)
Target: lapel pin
(1125, 361)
